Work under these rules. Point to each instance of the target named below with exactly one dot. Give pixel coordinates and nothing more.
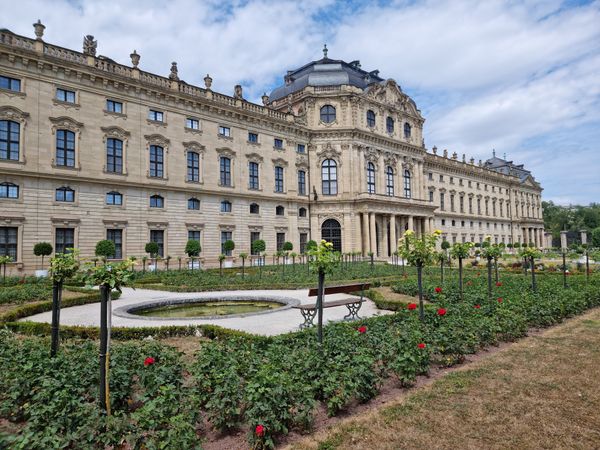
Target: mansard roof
(326, 72)
(509, 168)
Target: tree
(42, 249)
(243, 256)
(287, 247)
(152, 249)
(460, 251)
(192, 249)
(596, 237)
(4, 260)
(258, 246)
(105, 249)
(228, 246)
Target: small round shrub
(105, 248)
(192, 248)
(151, 248)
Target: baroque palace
(91, 149)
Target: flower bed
(267, 386)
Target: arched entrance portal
(331, 231)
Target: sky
(520, 77)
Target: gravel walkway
(271, 323)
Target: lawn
(541, 392)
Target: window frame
(192, 159)
(371, 118)
(226, 206)
(114, 160)
(64, 95)
(7, 246)
(65, 156)
(279, 179)
(111, 104)
(9, 82)
(8, 188)
(155, 115)
(193, 204)
(65, 242)
(157, 201)
(114, 195)
(407, 183)
(66, 193)
(195, 123)
(390, 124)
(9, 143)
(156, 161)
(327, 114)
(371, 187)
(225, 178)
(329, 184)
(301, 182)
(253, 175)
(389, 181)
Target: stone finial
(583, 237)
(238, 93)
(464, 158)
(39, 29)
(208, 81)
(454, 156)
(434, 149)
(325, 50)
(173, 73)
(89, 45)
(135, 59)
(563, 240)
(472, 161)
(480, 163)
(265, 99)
(445, 153)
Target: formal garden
(86, 387)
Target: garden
(268, 387)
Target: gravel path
(271, 323)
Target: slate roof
(325, 72)
(508, 168)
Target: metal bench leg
(353, 309)
(309, 316)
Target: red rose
(362, 329)
(469, 283)
(149, 361)
(500, 300)
(438, 290)
(477, 306)
(412, 306)
(421, 345)
(441, 312)
(499, 284)
(259, 430)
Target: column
(431, 225)
(423, 226)
(384, 236)
(365, 234)
(410, 223)
(393, 240)
(373, 241)
(524, 233)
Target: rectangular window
(116, 236)
(8, 242)
(12, 84)
(155, 115)
(278, 179)
(470, 205)
(65, 195)
(114, 106)
(65, 148)
(441, 177)
(431, 196)
(301, 182)
(253, 137)
(64, 239)
(278, 143)
(225, 171)
(280, 241)
(156, 161)
(225, 206)
(442, 206)
(253, 175)
(451, 180)
(462, 204)
(469, 183)
(479, 206)
(430, 176)
(114, 155)
(193, 167)
(194, 235)
(452, 202)
(114, 198)
(158, 236)
(64, 95)
(10, 135)
(225, 131)
(192, 124)
(301, 148)
(254, 236)
(225, 236)
(303, 241)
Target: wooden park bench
(309, 311)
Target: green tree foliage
(570, 218)
(42, 249)
(192, 248)
(105, 248)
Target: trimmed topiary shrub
(42, 249)
(105, 248)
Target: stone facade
(142, 157)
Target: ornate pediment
(390, 94)
(371, 155)
(330, 152)
(254, 157)
(157, 139)
(225, 151)
(302, 161)
(67, 123)
(194, 146)
(280, 162)
(12, 113)
(115, 132)
(390, 159)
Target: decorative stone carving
(329, 152)
(265, 99)
(302, 161)
(194, 146)
(279, 162)
(135, 59)
(208, 81)
(157, 139)
(371, 155)
(115, 132)
(238, 93)
(224, 151)
(39, 28)
(254, 157)
(89, 45)
(12, 113)
(173, 75)
(66, 123)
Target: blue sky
(522, 77)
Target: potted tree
(228, 247)
(105, 249)
(258, 247)
(193, 249)
(152, 249)
(42, 249)
(287, 248)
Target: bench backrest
(340, 289)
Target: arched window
(65, 148)
(193, 204)
(156, 201)
(407, 130)
(114, 155)
(370, 119)
(226, 206)
(407, 184)
(329, 177)
(225, 171)
(114, 198)
(193, 167)
(254, 208)
(327, 114)
(331, 231)
(9, 190)
(302, 212)
(279, 210)
(65, 194)
(9, 140)
(370, 178)
(389, 179)
(389, 125)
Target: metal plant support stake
(533, 283)
(460, 277)
(564, 257)
(587, 266)
(489, 276)
(496, 268)
(442, 271)
(104, 354)
(420, 284)
(321, 289)
(56, 300)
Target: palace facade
(91, 149)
